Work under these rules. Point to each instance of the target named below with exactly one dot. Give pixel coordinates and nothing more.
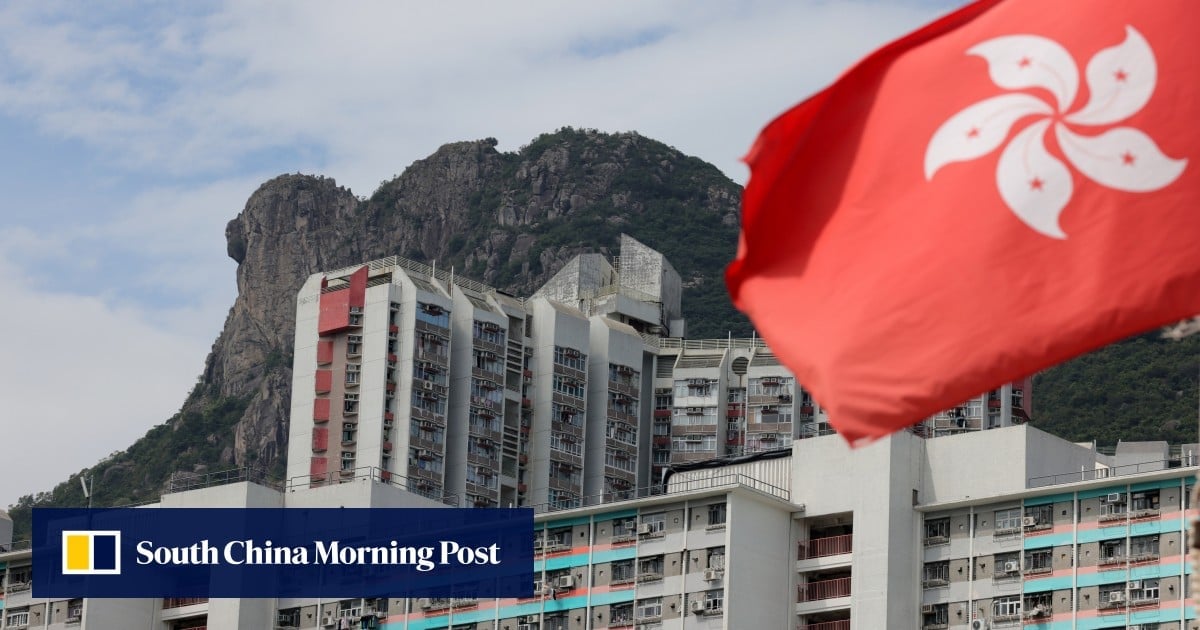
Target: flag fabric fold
(1012, 185)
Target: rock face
(508, 219)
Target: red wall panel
(321, 409)
(318, 466)
(358, 287)
(335, 312)
(320, 438)
(324, 381)
(324, 351)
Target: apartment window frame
(718, 513)
(935, 574)
(648, 608)
(1007, 519)
(348, 461)
(16, 618)
(937, 531)
(1006, 606)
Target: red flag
(1010, 186)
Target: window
(348, 433)
(570, 357)
(289, 618)
(1008, 565)
(433, 314)
(17, 619)
(621, 432)
(716, 514)
(650, 608)
(429, 401)
(716, 558)
(1112, 595)
(1146, 501)
(348, 461)
(694, 443)
(566, 414)
(1112, 504)
(1006, 607)
(935, 574)
(353, 372)
(1112, 551)
(650, 568)
(694, 388)
(624, 527)
(685, 416)
(568, 386)
(1039, 561)
(1143, 548)
(656, 522)
(489, 332)
(75, 610)
(714, 601)
(1144, 590)
(1042, 515)
(488, 362)
(563, 499)
(663, 400)
(939, 616)
(621, 614)
(937, 531)
(353, 345)
(1008, 521)
(350, 404)
(1039, 605)
(622, 374)
(619, 459)
(622, 571)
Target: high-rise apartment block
(579, 394)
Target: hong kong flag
(1010, 186)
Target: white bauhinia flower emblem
(1034, 184)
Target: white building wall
(755, 579)
(299, 450)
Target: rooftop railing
(675, 487)
(1105, 473)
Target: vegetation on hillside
(1143, 388)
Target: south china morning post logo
(283, 552)
(91, 552)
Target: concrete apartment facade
(580, 394)
(1038, 533)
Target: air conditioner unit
(528, 619)
(979, 624)
(425, 604)
(645, 528)
(427, 386)
(1012, 566)
(1116, 597)
(327, 621)
(697, 606)
(926, 609)
(566, 581)
(1135, 585)
(1029, 521)
(1114, 497)
(712, 575)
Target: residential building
(1006, 528)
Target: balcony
(824, 589)
(840, 624)
(822, 547)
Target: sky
(132, 132)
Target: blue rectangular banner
(294, 552)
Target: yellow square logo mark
(91, 552)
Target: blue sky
(133, 131)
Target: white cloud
(82, 379)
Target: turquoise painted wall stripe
(1050, 498)
(578, 520)
(1150, 485)
(1048, 540)
(1099, 492)
(1047, 584)
(1103, 577)
(1102, 533)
